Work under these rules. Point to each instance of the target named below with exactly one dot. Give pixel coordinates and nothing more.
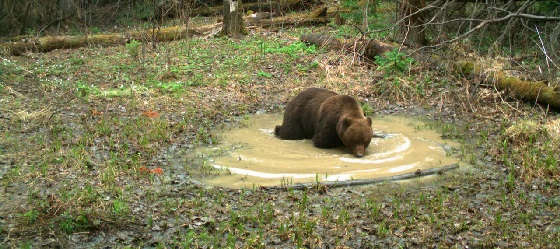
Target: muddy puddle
(255, 157)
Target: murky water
(261, 159)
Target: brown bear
(329, 119)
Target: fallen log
(275, 6)
(287, 21)
(49, 43)
(316, 17)
(364, 47)
(337, 184)
(526, 90)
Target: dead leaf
(143, 169)
(151, 114)
(157, 171)
(96, 113)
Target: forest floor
(91, 143)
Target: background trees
(489, 24)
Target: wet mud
(257, 158)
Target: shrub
(393, 61)
(132, 48)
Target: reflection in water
(266, 160)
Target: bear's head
(355, 134)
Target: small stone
(553, 229)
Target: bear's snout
(359, 151)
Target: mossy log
(337, 184)
(526, 90)
(49, 43)
(365, 47)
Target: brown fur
(327, 118)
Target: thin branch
(431, 6)
(530, 16)
(486, 22)
(337, 184)
(543, 49)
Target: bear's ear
(369, 121)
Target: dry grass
(553, 128)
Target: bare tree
(516, 22)
(526, 28)
(410, 29)
(365, 26)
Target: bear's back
(342, 104)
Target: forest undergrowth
(87, 138)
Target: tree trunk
(411, 29)
(233, 23)
(365, 26)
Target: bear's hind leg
(289, 132)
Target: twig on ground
(337, 184)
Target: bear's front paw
(277, 130)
